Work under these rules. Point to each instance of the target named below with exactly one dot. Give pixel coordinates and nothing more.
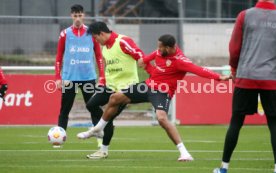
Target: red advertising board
(34, 100)
(31, 99)
(205, 101)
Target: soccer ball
(57, 136)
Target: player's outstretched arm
(186, 65)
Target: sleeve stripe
(128, 47)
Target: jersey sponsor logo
(74, 61)
(83, 49)
(75, 49)
(115, 70)
(263, 24)
(112, 61)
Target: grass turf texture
(134, 149)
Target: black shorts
(141, 93)
(245, 101)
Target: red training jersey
(169, 69)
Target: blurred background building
(30, 28)
(127, 8)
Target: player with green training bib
(121, 67)
(121, 55)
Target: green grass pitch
(134, 150)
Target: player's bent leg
(113, 105)
(115, 101)
(174, 135)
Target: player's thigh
(100, 97)
(245, 101)
(160, 101)
(88, 89)
(136, 93)
(68, 95)
(162, 115)
(268, 99)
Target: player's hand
(225, 78)
(233, 77)
(59, 84)
(3, 90)
(141, 63)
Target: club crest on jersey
(168, 63)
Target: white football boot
(98, 155)
(185, 158)
(90, 133)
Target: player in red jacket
(3, 84)
(171, 65)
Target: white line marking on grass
(145, 151)
(33, 136)
(186, 141)
(199, 141)
(129, 167)
(150, 159)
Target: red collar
(266, 5)
(80, 28)
(109, 43)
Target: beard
(164, 53)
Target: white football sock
(224, 165)
(275, 168)
(104, 148)
(182, 149)
(101, 125)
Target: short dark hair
(77, 8)
(167, 40)
(97, 28)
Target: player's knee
(161, 117)
(115, 99)
(118, 99)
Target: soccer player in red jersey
(171, 65)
